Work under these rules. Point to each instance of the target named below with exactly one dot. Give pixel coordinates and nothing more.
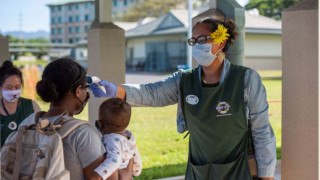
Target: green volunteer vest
(216, 120)
(11, 123)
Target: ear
(78, 91)
(223, 44)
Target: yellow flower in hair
(220, 34)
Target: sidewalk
(277, 175)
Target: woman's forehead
(12, 80)
(201, 29)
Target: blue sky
(35, 14)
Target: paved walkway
(276, 177)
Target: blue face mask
(202, 54)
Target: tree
(15, 40)
(38, 40)
(270, 8)
(151, 8)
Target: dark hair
(58, 78)
(115, 113)
(230, 25)
(8, 69)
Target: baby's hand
(95, 176)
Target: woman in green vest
(222, 106)
(13, 108)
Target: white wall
(139, 45)
(263, 52)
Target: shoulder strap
(69, 125)
(38, 115)
(66, 127)
(17, 164)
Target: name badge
(192, 99)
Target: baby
(114, 117)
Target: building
(70, 20)
(161, 45)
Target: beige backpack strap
(17, 164)
(38, 115)
(69, 125)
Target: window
(53, 20)
(59, 8)
(77, 18)
(60, 41)
(52, 9)
(77, 6)
(86, 17)
(53, 41)
(70, 40)
(53, 31)
(60, 30)
(77, 29)
(70, 7)
(115, 2)
(70, 30)
(87, 5)
(125, 2)
(86, 28)
(70, 18)
(60, 19)
(77, 39)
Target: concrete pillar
(228, 9)
(300, 92)
(105, 13)
(106, 54)
(4, 49)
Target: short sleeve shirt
(81, 148)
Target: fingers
(104, 83)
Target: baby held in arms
(114, 117)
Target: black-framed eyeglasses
(200, 40)
(86, 87)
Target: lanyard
(6, 111)
(4, 108)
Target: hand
(127, 172)
(111, 89)
(95, 176)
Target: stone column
(228, 9)
(4, 49)
(106, 53)
(300, 92)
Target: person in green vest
(222, 106)
(13, 108)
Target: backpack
(36, 151)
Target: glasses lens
(202, 40)
(87, 87)
(191, 42)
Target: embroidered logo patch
(192, 99)
(223, 108)
(12, 125)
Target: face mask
(11, 96)
(84, 103)
(202, 54)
